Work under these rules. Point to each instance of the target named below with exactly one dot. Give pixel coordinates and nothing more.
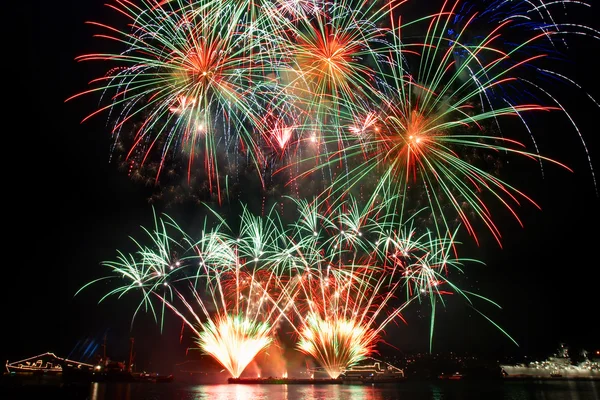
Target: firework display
(371, 138)
(338, 279)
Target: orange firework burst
(339, 311)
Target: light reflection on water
(286, 392)
(565, 390)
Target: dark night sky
(68, 209)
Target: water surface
(434, 390)
(528, 390)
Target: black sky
(68, 209)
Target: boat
(200, 369)
(371, 371)
(46, 363)
(116, 372)
(558, 366)
(108, 370)
(152, 377)
(112, 371)
(453, 377)
(47, 369)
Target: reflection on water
(287, 392)
(540, 390)
(126, 391)
(552, 390)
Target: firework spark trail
(326, 52)
(148, 270)
(237, 300)
(418, 136)
(531, 17)
(338, 325)
(350, 276)
(190, 70)
(330, 55)
(324, 85)
(245, 293)
(233, 334)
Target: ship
(47, 369)
(46, 363)
(557, 366)
(200, 369)
(453, 377)
(108, 370)
(372, 370)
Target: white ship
(46, 363)
(372, 370)
(557, 366)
